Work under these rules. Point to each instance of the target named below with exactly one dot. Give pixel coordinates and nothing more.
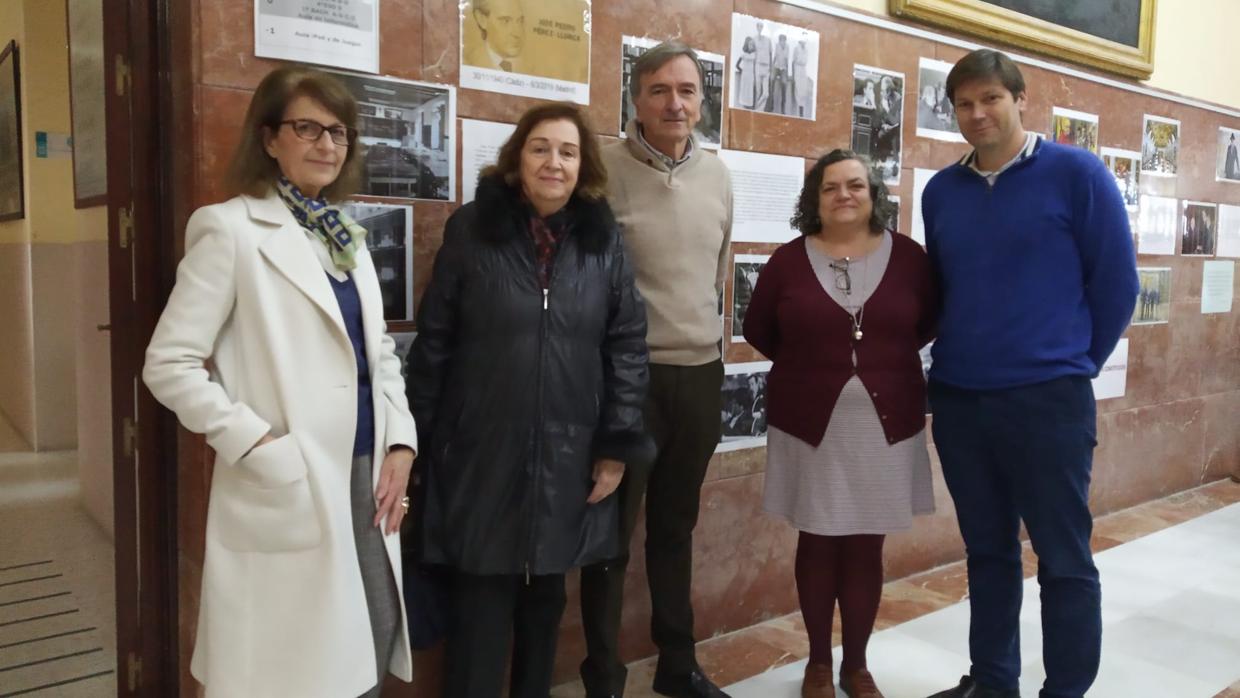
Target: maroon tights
(844, 568)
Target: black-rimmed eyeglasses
(843, 281)
(310, 130)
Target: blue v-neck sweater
(1037, 272)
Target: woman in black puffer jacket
(528, 375)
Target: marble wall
(1173, 429)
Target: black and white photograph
(1160, 146)
(1156, 225)
(878, 117)
(745, 270)
(709, 130)
(389, 238)
(1154, 298)
(774, 67)
(12, 199)
(403, 340)
(407, 129)
(743, 418)
(1198, 229)
(936, 118)
(1125, 167)
(1227, 162)
(927, 360)
(893, 223)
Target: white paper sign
(1228, 231)
(338, 33)
(480, 144)
(1217, 283)
(765, 189)
(920, 179)
(1112, 381)
(1156, 225)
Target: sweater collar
(642, 150)
(1031, 146)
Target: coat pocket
(264, 504)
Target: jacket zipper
(542, 352)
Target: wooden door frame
(142, 97)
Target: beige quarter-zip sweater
(677, 224)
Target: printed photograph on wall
(1125, 167)
(709, 130)
(12, 198)
(774, 67)
(1078, 128)
(1227, 167)
(336, 33)
(1228, 231)
(408, 130)
(1160, 146)
(531, 48)
(1156, 225)
(86, 97)
(1198, 229)
(936, 118)
(745, 270)
(404, 340)
(893, 223)
(1154, 298)
(743, 419)
(877, 118)
(927, 360)
(389, 237)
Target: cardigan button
(884, 417)
(874, 394)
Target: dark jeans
(1025, 454)
(492, 613)
(682, 416)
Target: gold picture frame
(989, 21)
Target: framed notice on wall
(1116, 36)
(90, 171)
(12, 205)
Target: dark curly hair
(806, 217)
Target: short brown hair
(591, 178)
(658, 57)
(806, 218)
(984, 64)
(252, 171)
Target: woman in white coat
(272, 345)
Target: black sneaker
(691, 685)
(969, 688)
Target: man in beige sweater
(674, 201)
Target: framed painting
(86, 94)
(12, 198)
(1116, 36)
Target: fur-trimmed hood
(503, 214)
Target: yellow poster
(532, 48)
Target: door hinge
(129, 430)
(134, 670)
(122, 76)
(124, 226)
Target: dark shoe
(691, 685)
(969, 688)
(819, 681)
(859, 684)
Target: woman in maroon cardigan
(842, 312)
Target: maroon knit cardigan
(808, 338)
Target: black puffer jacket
(521, 393)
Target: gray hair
(658, 57)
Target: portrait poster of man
(1198, 229)
(1160, 146)
(1071, 127)
(936, 118)
(1125, 166)
(1154, 298)
(407, 129)
(1228, 231)
(745, 270)
(878, 118)
(743, 418)
(1156, 225)
(1227, 168)
(709, 130)
(531, 48)
(389, 238)
(774, 67)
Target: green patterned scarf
(341, 234)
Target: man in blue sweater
(1031, 245)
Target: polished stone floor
(1171, 586)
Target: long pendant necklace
(858, 315)
(856, 323)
